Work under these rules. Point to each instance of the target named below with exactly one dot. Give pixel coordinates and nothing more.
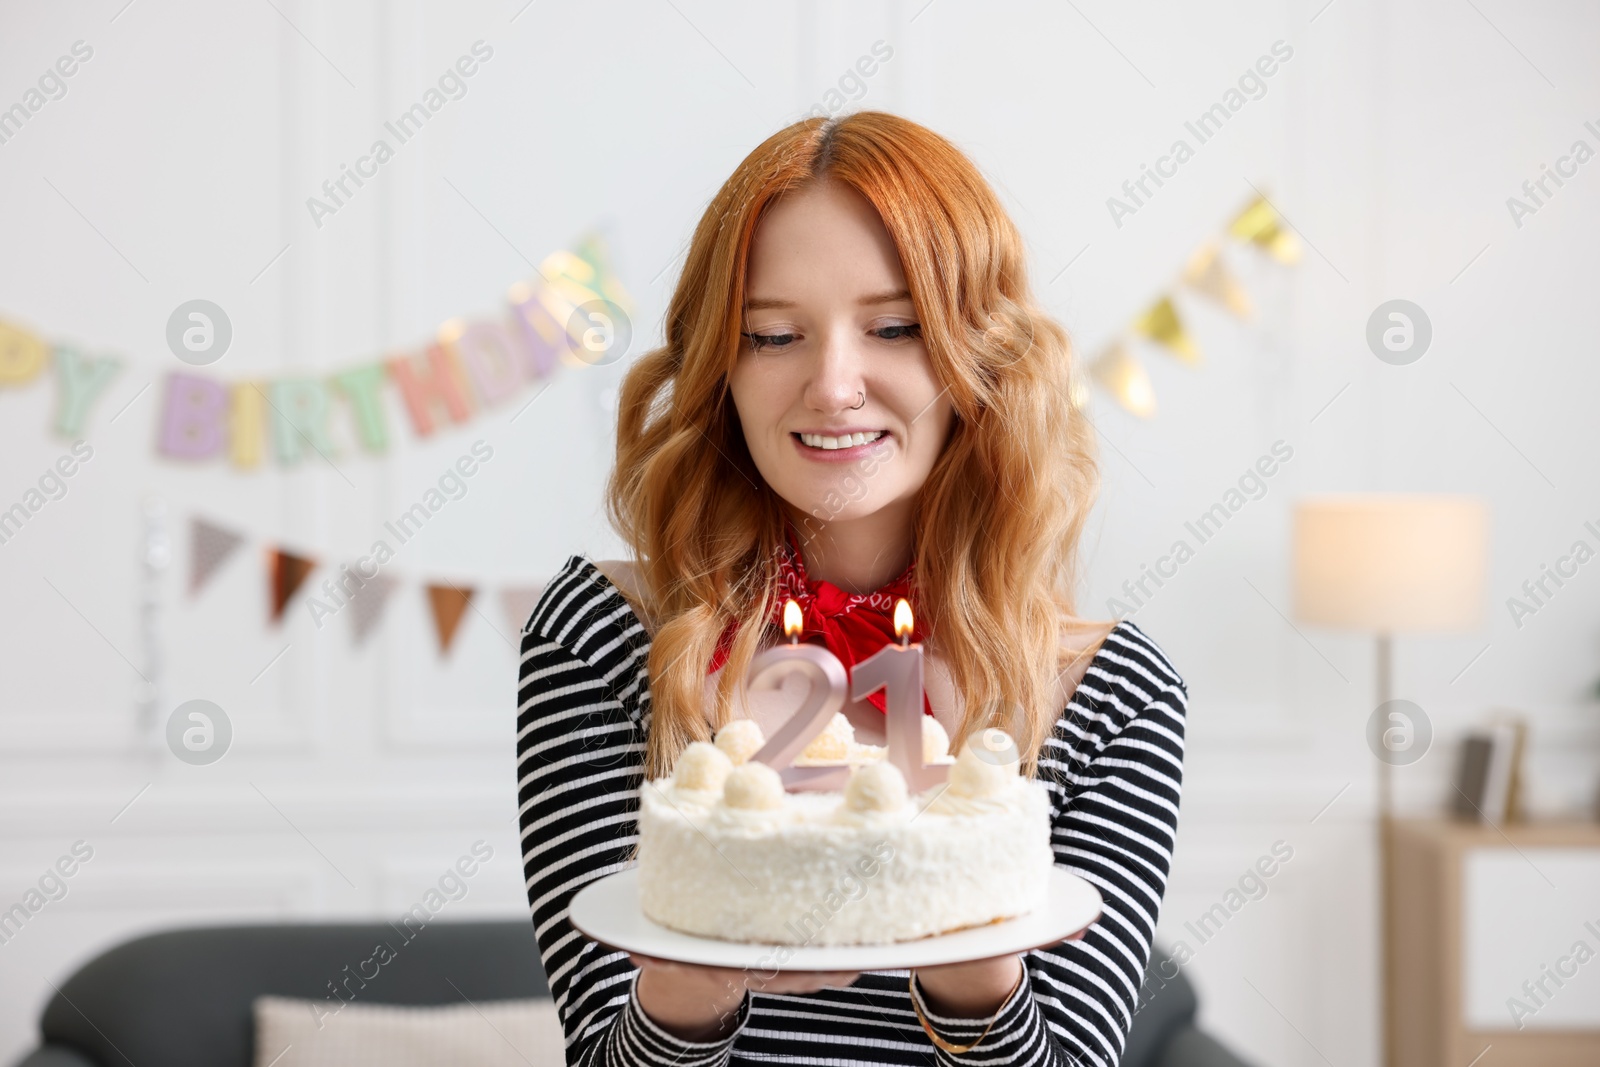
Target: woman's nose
(836, 379)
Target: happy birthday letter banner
(1119, 373)
(469, 367)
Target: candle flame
(791, 619)
(902, 619)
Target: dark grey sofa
(182, 998)
(1164, 1033)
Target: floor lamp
(1388, 564)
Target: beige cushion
(491, 1033)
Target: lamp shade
(1391, 562)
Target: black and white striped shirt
(1113, 764)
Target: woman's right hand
(697, 1003)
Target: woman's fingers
(842, 980)
(811, 979)
(808, 981)
(728, 977)
(642, 962)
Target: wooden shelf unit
(1425, 894)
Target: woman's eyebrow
(760, 303)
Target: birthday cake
(725, 852)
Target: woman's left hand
(974, 990)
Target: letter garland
(575, 303)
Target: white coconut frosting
(871, 865)
(700, 773)
(740, 739)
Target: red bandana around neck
(853, 626)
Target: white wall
(178, 165)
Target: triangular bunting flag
(517, 602)
(1121, 375)
(367, 604)
(285, 573)
(449, 603)
(1261, 225)
(209, 548)
(1161, 324)
(1206, 273)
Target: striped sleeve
(1115, 765)
(579, 768)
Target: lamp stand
(1386, 981)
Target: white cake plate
(608, 911)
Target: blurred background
(228, 369)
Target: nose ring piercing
(860, 403)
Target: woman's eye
(901, 332)
(758, 341)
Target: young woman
(857, 399)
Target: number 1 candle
(898, 670)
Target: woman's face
(829, 324)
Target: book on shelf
(1489, 775)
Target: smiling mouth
(849, 440)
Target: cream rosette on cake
(837, 744)
(754, 863)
